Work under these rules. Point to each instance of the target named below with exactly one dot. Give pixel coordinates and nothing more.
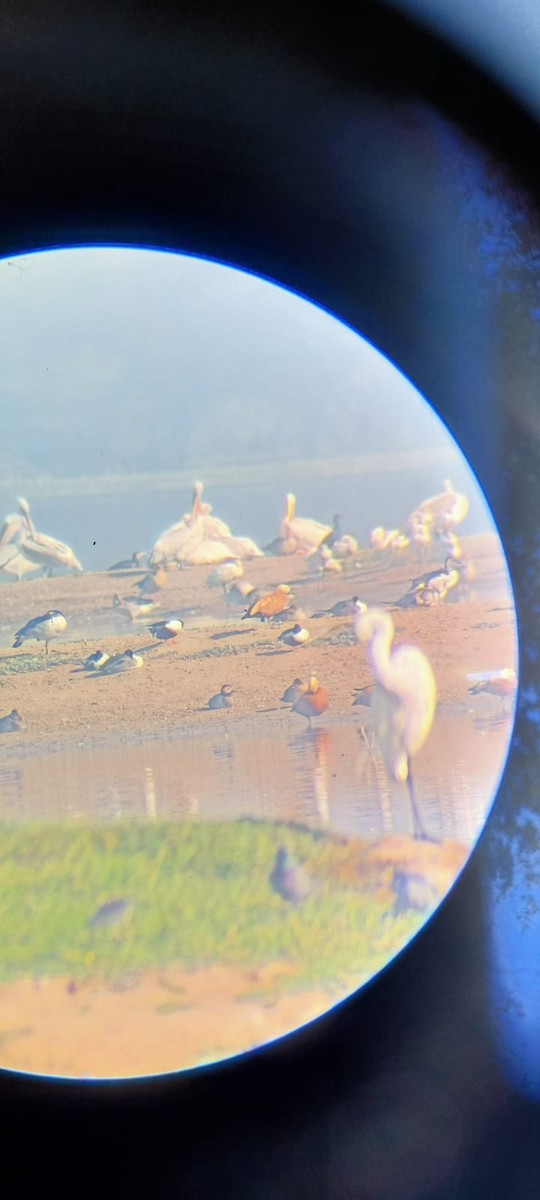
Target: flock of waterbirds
(403, 698)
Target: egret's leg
(418, 826)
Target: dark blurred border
(211, 130)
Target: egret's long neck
(379, 653)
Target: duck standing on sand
(128, 661)
(313, 700)
(166, 631)
(223, 699)
(42, 629)
(271, 604)
(12, 722)
(290, 880)
(297, 636)
(501, 683)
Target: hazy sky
(125, 360)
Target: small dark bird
(291, 694)
(126, 564)
(288, 879)
(335, 532)
(364, 695)
(413, 892)
(110, 914)
(12, 723)
(223, 699)
(343, 608)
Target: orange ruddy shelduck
(495, 683)
(271, 604)
(313, 700)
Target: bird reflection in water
(314, 746)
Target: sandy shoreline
(63, 707)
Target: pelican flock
(402, 693)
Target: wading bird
(290, 880)
(297, 636)
(223, 699)
(271, 604)
(313, 700)
(12, 722)
(128, 661)
(403, 701)
(501, 683)
(42, 629)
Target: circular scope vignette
(258, 657)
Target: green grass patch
(195, 894)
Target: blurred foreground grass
(192, 894)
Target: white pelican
(45, 551)
(242, 547)
(403, 702)
(223, 699)
(446, 510)
(13, 562)
(380, 538)
(42, 629)
(308, 534)
(12, 559)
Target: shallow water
(327, 778)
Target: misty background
(128, 373)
